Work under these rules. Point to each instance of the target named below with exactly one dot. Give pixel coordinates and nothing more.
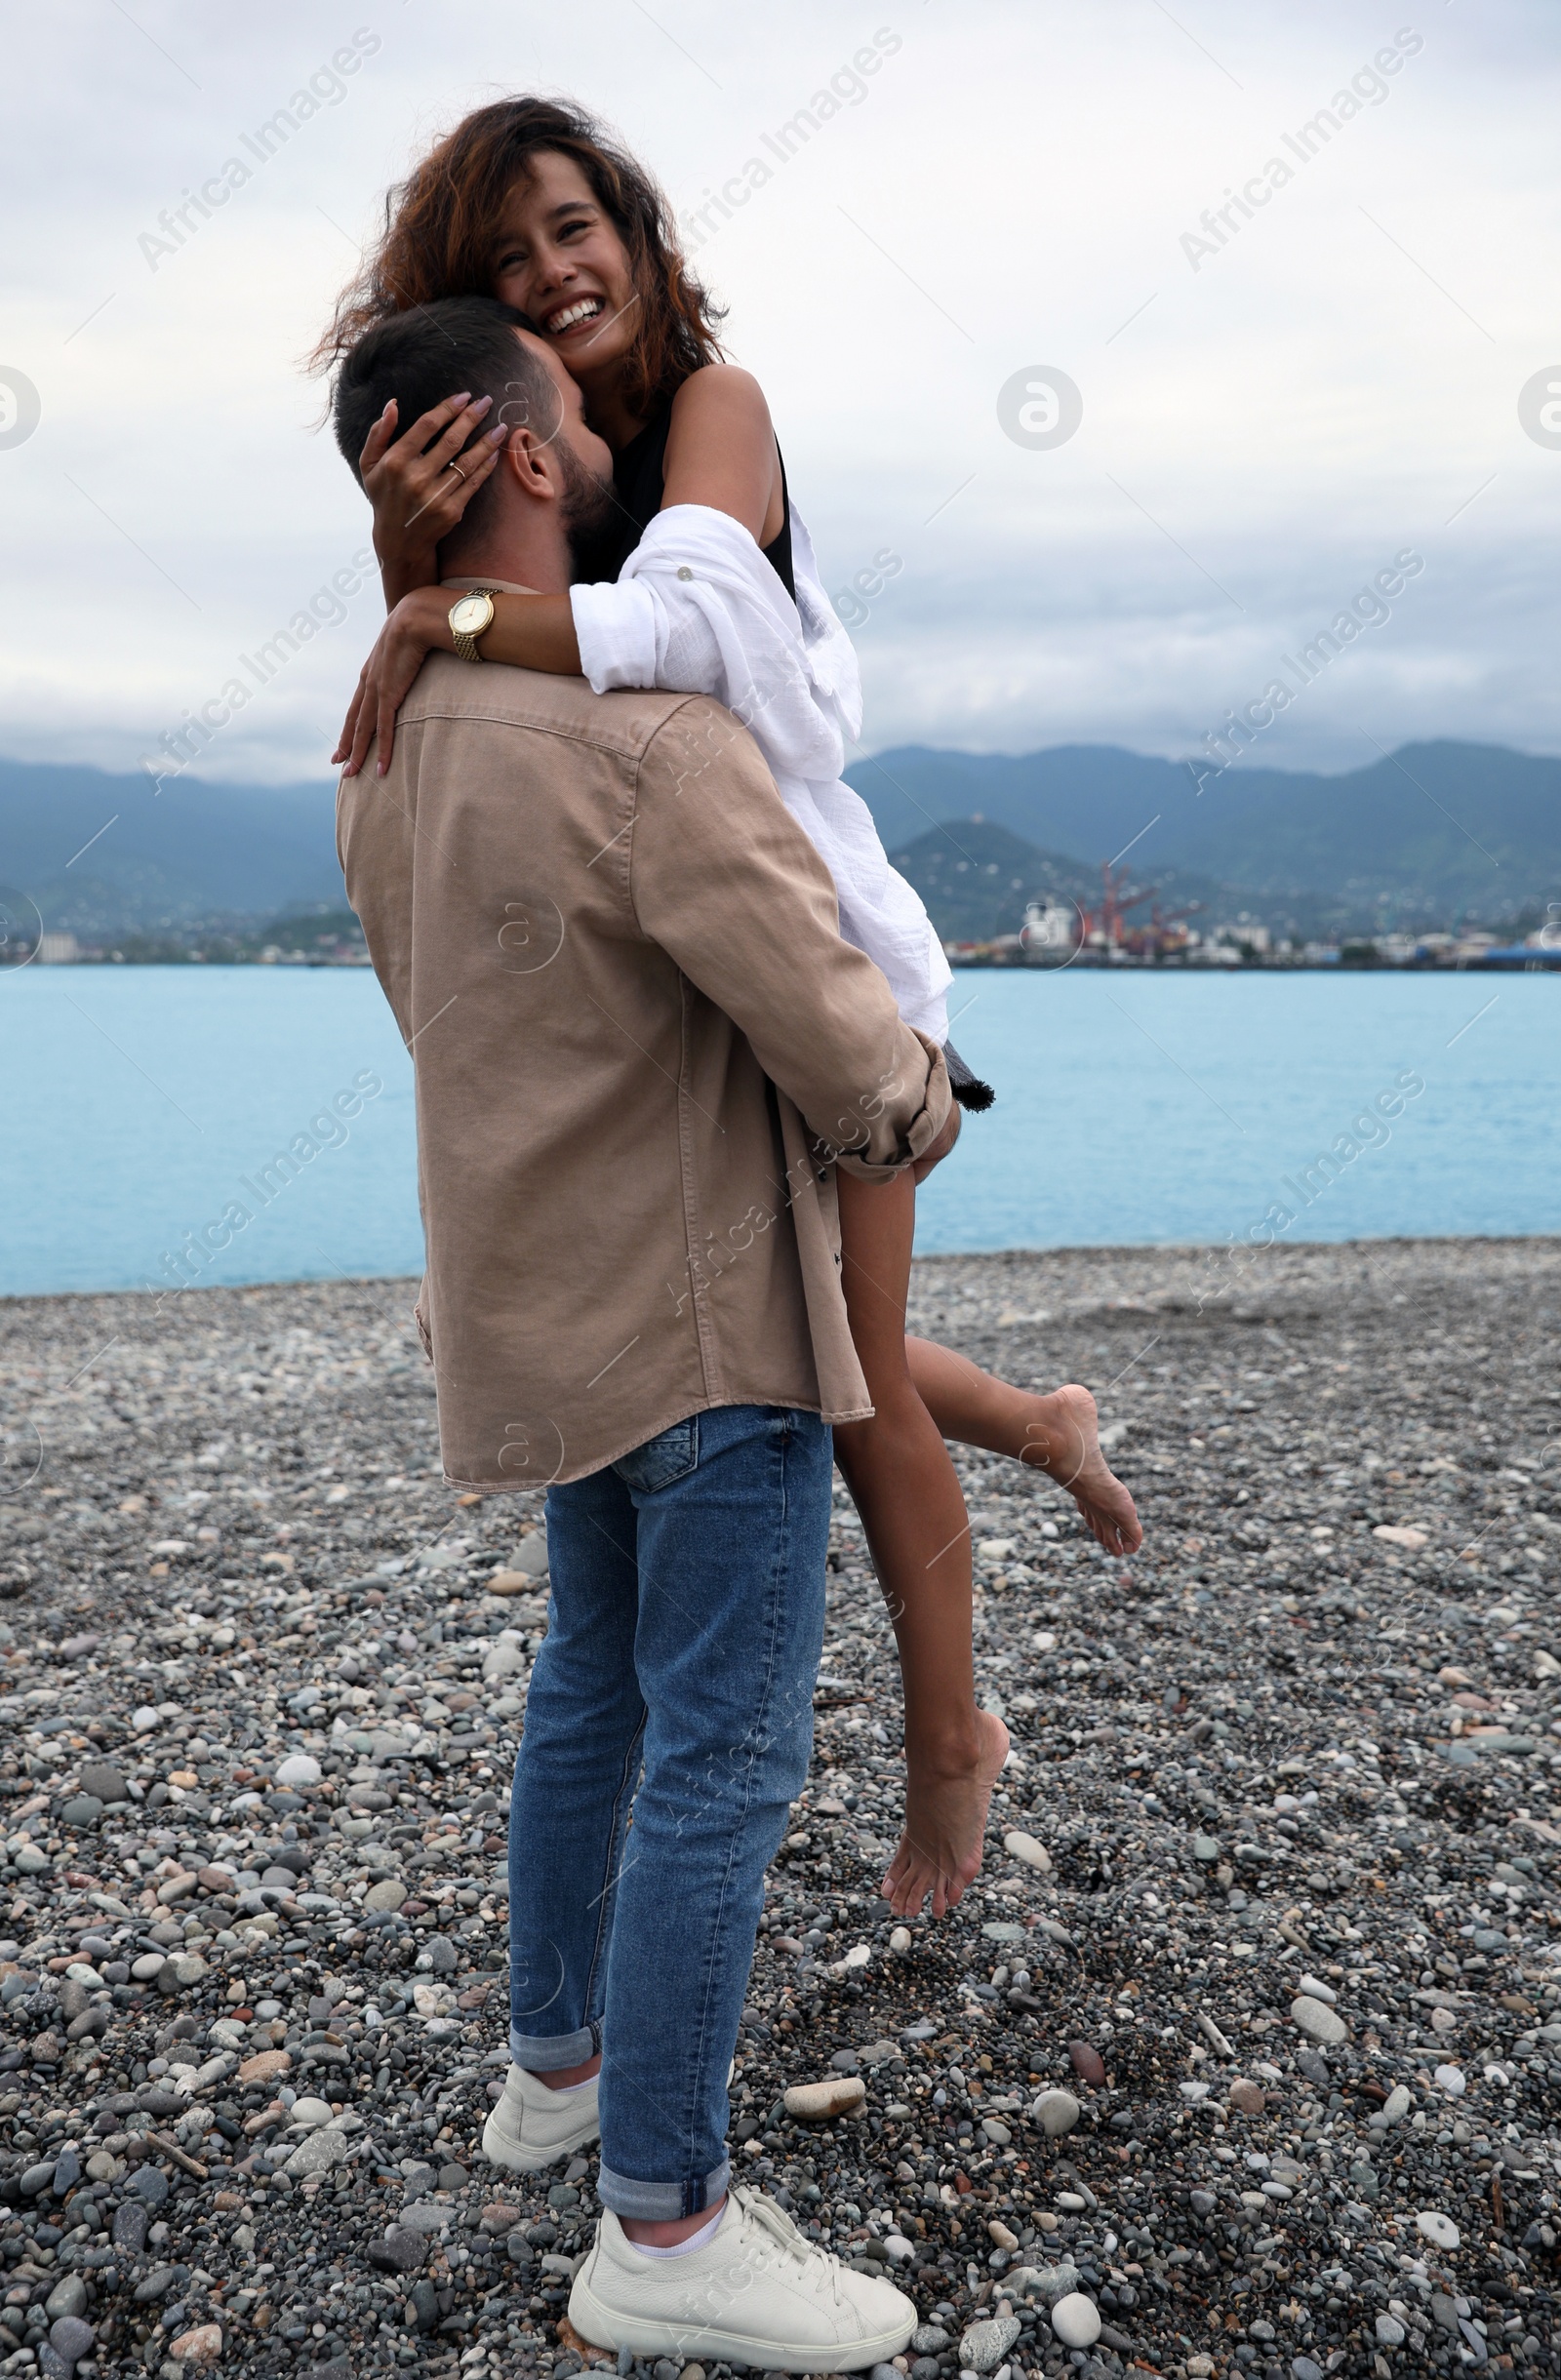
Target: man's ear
(523, 459)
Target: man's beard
(593, 520)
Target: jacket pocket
(662, 1459)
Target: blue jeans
(668, 1729)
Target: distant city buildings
(1060, 933)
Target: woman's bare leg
(1056, 1434)
(899, 1471)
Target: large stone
(82, 1809)
(1030, 1853)
(1077, 2319)
(985, 2344)
(1055, 2112)
(67, 2297)
(1048, 2281)
(102, 1780)
(298, 1769)
(1088, 2063)
(317, 2153)
(425, 2216)
(1320, 2022)
(201, 2346)
(1250, 2097)
(71, 2338)
(131, 2221)
(816, 2102)
(386, 1896)
(265, 2067)
(1441, 2230)
(401, 2250)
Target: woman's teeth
(585, 311)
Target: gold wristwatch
(470, 618)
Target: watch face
(471, 614)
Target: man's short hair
(427, 354)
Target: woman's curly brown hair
(439, 228)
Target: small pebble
(1088, 2063)
(1250, 2097)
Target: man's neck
(539, 564)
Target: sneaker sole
(601, 2329)
(500, 2148)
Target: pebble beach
(1243, 2056)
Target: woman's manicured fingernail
(482, 404)
(498, 433)
(463, 398)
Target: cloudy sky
(1271, 405)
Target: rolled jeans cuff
(543, 2053)
(661, 2202)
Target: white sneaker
(758, 2293)
(533, 2126)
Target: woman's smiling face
(558, 258)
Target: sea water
(145, 1110)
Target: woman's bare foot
(945, 1826)
(1062, 1439)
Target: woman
(527, 202)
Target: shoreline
(1181, 1252)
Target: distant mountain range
(1432, 834)
(100, 854)
(1426, 835)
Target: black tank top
(639, 474)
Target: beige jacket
(639, 1043)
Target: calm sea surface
(140, 1104)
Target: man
(641, 1048)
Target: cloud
(1337, 380)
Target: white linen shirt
(698, 609)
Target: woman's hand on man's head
(418, 488)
